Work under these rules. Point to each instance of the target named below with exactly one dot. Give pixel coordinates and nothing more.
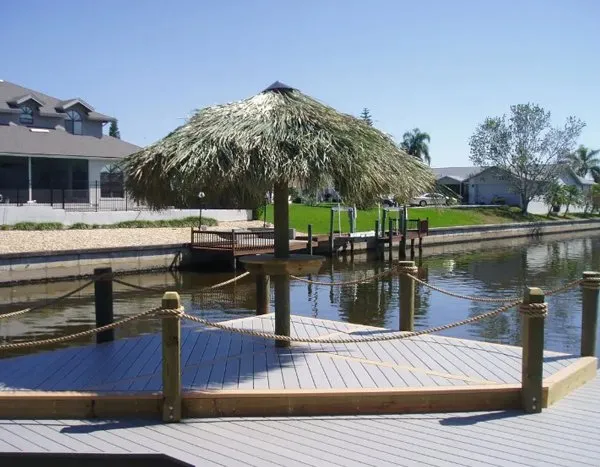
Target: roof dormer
(63, 106)
(26, 99)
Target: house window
(26, 117)
(112, 182)
(73, 122)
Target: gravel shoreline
(27, 241)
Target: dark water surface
(490, 269)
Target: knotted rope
(534, 310)
(590, 281)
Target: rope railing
(89, 332)
(373, 338)
(265, 335)
(46, 304)
(114, 279)
(534, 309)
(162, 290)
(399, 270)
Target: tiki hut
(271, 141)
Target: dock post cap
(407, 267)
(591, 280)
(534, 295)
(591, 274)
(171, 300)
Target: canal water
(487, 269)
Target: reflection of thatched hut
(277, 138)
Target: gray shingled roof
(9, 92)
(22, 140)
(457, 173)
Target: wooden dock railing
(235, 241)
(535, 392)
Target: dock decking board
(567, 433)
(219, 360)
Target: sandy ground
(15, 241)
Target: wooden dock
(566, 434)
(229, 374)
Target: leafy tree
(114, 130)
(366, 116)
(526, 147)
(416, 143)
(573, 197)
(584, 161)
(554, 196)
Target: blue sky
(442, 66)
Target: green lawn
(302, 215)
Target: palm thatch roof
(242, 149)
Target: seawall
(47, 266)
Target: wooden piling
(391, 239)
(262, 294)
(331, 236)
(103, 298)
(171, 359)
(407, 295)
(590, 288)
(282, 308)
(309, 245)
(532, 329)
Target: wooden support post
(282, 250)
(377, 250)
(262, 294)
(282, 308)
(590, 288)
(233, 242)
(391, 239)
(103, 296)
(412, 248)
(532, 328)
(309, 245)
(383, 223)
(171, 359)
(331, 236)
(407, 295)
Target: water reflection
(499, 269)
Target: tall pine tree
(114, 130)
(366, 116)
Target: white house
(491, 185)
(54, 151)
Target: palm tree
(584, 161)
(415, 143)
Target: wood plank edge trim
(350, 402)
(566, 380)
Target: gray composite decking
(566, 434)
(218, 360)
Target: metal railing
(96, 197)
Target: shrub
(80, 226)
(37, 226)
